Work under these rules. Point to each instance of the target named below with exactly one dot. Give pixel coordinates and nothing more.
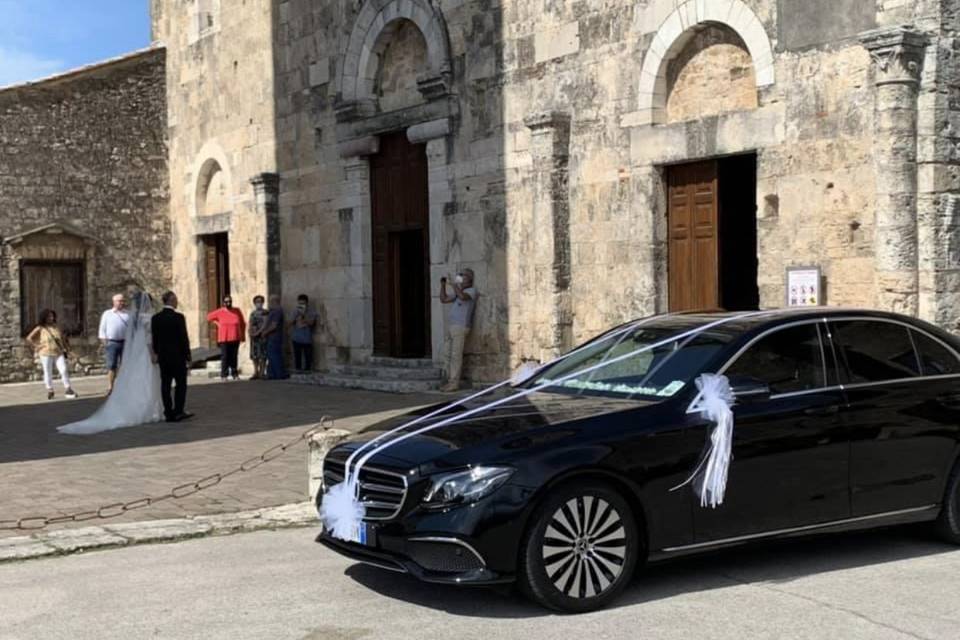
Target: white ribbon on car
(714, 403)
(341, 509)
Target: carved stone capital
(435, 87)
(266, 184)
(897, 54)
(348, 111)
(550, 131)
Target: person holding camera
(50, 344)
(302, 326)
(459, 322)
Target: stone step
(387, 373)
(370, 384)
(405, 363)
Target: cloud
(20, 66)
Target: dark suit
(172, 346)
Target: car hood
(509, 422)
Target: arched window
(212, 194)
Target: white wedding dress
(136, 392)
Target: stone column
(440, 200)
(266, 190)
(898, 55)
(550, 147)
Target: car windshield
(660, 372)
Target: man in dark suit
(171, 350)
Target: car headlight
(465, 487)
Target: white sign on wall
(804, 287)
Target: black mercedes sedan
(843, 419)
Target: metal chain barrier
(34, 523)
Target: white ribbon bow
(714, 403)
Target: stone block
(320, 444)
(557, 42)
(320, 72)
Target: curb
(68, 541)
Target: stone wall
(549, 129)
(551, 175)
(83, 160)
(221, 105)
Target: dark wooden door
(693, 237)
(216, 267)
(401, 301)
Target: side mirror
(748, 390)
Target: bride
(136, 394)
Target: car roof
(741, 322)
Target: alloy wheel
(585, 547)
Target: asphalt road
(280, 584)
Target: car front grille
(381, 492)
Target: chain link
(35, 523)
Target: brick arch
(371, 33)
(674, 33)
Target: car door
(903, 413)
(790, 454)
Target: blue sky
(42, 37)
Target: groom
(171, 350)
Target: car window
(935, 359)
(787, 360)
(872, 351)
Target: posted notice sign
(803, 287)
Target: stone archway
(675, 31)
(357, 77)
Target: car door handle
(828, 410)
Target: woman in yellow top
(51, 345)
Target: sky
(39, 38)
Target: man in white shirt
(459, 322)
(113, 333)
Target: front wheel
(581, 548)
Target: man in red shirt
(231, 331)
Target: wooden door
(401, 299)
(693, 237)
(216, 267)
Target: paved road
(280, 585)
(47, 473)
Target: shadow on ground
(774, 563)
(28, 431)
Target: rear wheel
(948, 523)
(581, 548)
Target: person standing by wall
(459, 322)
(231, 331)
(276, 370)
(113, 332)
(258, 343)
(302, 326)
(50, 344)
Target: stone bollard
(320, 444)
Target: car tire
(948, 522)
(580, 548)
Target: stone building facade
(83, 201)
(591, 160)
(221, 106)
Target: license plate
(359, 534)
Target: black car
(843, 420)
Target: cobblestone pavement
(44, 473)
